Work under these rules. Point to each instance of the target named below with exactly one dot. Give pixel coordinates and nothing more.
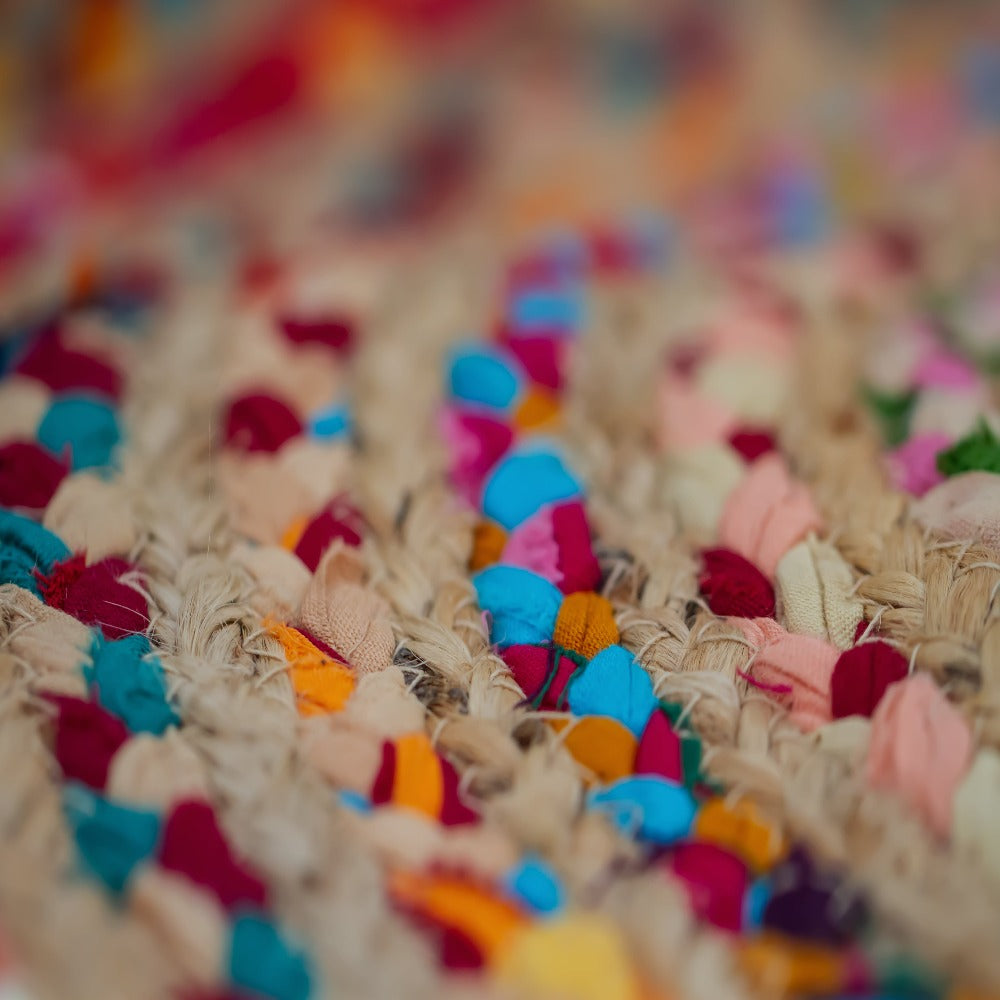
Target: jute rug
(540, 546)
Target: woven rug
(500, 502)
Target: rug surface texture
(499, 499)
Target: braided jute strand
(934, 600)
(533, 794)
(237, 709)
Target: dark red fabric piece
(659, 750)
(86, 738)
(454, 812)
(62, 369)
(458, 951)
(260, 273)
(436, 159)
(541, 358)
(93, 595)
(577, 562)
(531, 666)
(335, 332)
(861, 677)
(260, 422)
(510, 331)
(323, 647)
(56, 586)
(716, 882)
(751, 442)
(29, 475)
(556, 695)
(194, 846)
(382, 786)
(734, 586)
(898, 248)
(611, 252)
(323, 530)
(493, 438)
(260, 88)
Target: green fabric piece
(130, 684)
(893, 412)
(691, 760)
(263, 961)
(571, 654)
(673, 711)
(905, 976)
(111, 839)
(978, 451)
(990, 363)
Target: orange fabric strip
(418, 783)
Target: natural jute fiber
(545, 548)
